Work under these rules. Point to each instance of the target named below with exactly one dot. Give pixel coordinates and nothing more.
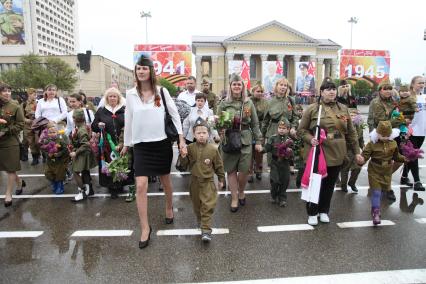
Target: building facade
(46, 27)
(103, 74)
(272, 41)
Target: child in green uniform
(55, 146)
(382, 150)
(204, 161)
(279, 145)
(82, 155)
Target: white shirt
(51, 109)
(70, 120)
(144, 122)
(419, 121)
(190, 120)
(189, 98)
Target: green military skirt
(9, 159)
(84, 162)
(239, 162)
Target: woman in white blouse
(198, 111)
(51, 106)
(144, 129)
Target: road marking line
(359, 224)
(20, 234)
(421, 220)
(190, 232)
(102, 233)
(93, 174)
(285, 228)
(390, 276)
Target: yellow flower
(62, 131)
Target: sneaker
(80, 196)
(206, 237)
(313, 220)
(324, 218)
(375, 212)
(405, 181)
(391, 195)
(283, 203)
(418, 186)
(353, 187)
(274, 200)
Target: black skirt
(153, 158)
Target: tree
(361, 88)
(169, 86)
(33, 73)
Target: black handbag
(232, 143)
(169, 126)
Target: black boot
(418, 186)
(35, 161)
(24, 152)
(405, 181)
(391, 195)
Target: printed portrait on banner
(12, 22)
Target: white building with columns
(272, 41)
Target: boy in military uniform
(280, 146)
(55, 145)
(204, 161)
(407, 103)
(382, 150)
(350, 164)
(212, 99)
(30, 139)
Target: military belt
(381, 162)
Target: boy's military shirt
(14, 115)
(380, 110)
(338, 126)
(261, 106)
(408, 106)
(279, 108)
(30, 109)
(212, 101)
(249, 122)
(273, 141)
(204, 161)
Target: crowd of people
(130, 141)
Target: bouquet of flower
(212, 121)
(118, 168)
(399, 117)
(48, 143)
(357, 120)
(410, 152)
(284, 150)
(6, 116)
(225, 120)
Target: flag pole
(317, 134)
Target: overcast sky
(111, 28)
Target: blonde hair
(115, 91)
(257, 85)
(415, 78)
(279, 81)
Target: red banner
(162, 47)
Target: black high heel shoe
(242, 201)
(7, 203)
(19, 191)
(169, 220)
(144, 244)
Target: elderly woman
(337, 124)
(109, 120)
(145, 131)
(51, 106)
(11, 123)
(419, 131)
(237, 164)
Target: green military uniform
(408, 106)
(380, 167)
(261, 106)
(279, 108)
(380, 109)
(9, 140)
(351, 164)
(336, 121)
(241, 162)
(11, 34)
(280, 169)
(30, 139)
(204, 161)
(56, 166)
(84, 159)
(212, 101)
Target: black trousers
(414, 165)
(326, 192)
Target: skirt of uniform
(153, 158)
(9, 159)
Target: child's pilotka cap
(404, 88)
(284, 122)
(78, 115)
(384, 128)
(200, 122)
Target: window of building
(252, 67)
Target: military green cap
(384, 128)
(404, 88)
(78, 115)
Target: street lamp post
(352, 20)
(146, 15)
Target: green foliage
(361, 88)
(33, 73)
(169, 86)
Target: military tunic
(379, 110)
(212, 101)
(30, 138)
(84, 159)
(380, 167)
(280, 168)
(407, 106)
(351, 164)
(241, 162)
(9, 141)
(337, 123)
(203, 161)
(279, 108)
(56, 166)
(261, 106)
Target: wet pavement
(241, 252)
